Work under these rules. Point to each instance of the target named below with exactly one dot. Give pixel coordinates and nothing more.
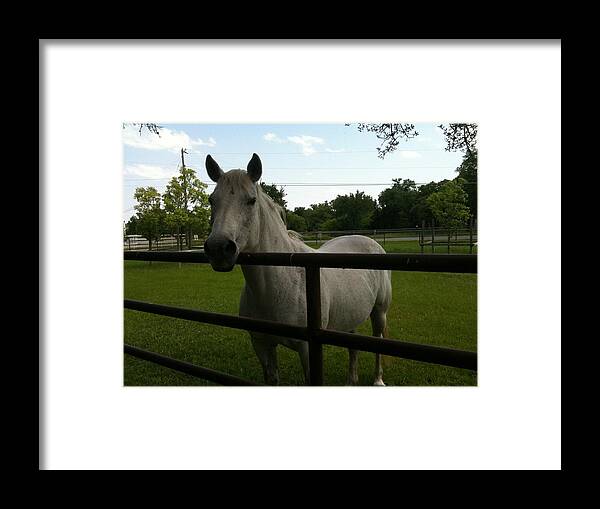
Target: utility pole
(188, 234)
(183, 151)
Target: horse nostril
(230, 247)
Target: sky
(312, 156)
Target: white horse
(244, 218)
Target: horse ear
(254, 168)
(214, 170)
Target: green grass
(431, 308)
(399, 246)
(412, 246)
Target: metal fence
(165, 242)
(418, 233)
(312, 333)
(449, 237)
(426, 235)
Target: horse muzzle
(221, 252)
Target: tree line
(449, 203)
(183, 209)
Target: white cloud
(410, 154)
(307, 143)
(334, 150)
(211, 142)
(172, 141)
(273, 137)
(149, 171)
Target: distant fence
(312, 333)
(441, 236)
(166, 242)
(427, 236)
(449, 237)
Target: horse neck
(272, 237)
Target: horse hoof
(379, 382)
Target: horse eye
(251, 201)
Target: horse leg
(352, 366)
(303, 353)
(378, 322)
(267, 355)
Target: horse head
(233, 212)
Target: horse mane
(278, 212)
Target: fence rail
(320, 236)
(186, 367)
(313, 333)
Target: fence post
(313, 323)
(432, 237)
(449, 237)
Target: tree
(316, 216)
(449, 204)
(461, 137)
(468, 172)
(150, 220)
(328, 225)
(296, 222)
(131, 227)
(186, 204)
(300, 211)
(396, 204)
(353, 211)
(390, 134)
(421, 210)
(458, 136)
(176, 220)
(153, 128)
(277, 195)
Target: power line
(322, 168)
(310, 184)
(333, 151)
(158, 181)
(361, 168)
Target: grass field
(404, 246)
(412, 246)
(432, 308)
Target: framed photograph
(352, 215)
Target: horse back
(351, 244)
